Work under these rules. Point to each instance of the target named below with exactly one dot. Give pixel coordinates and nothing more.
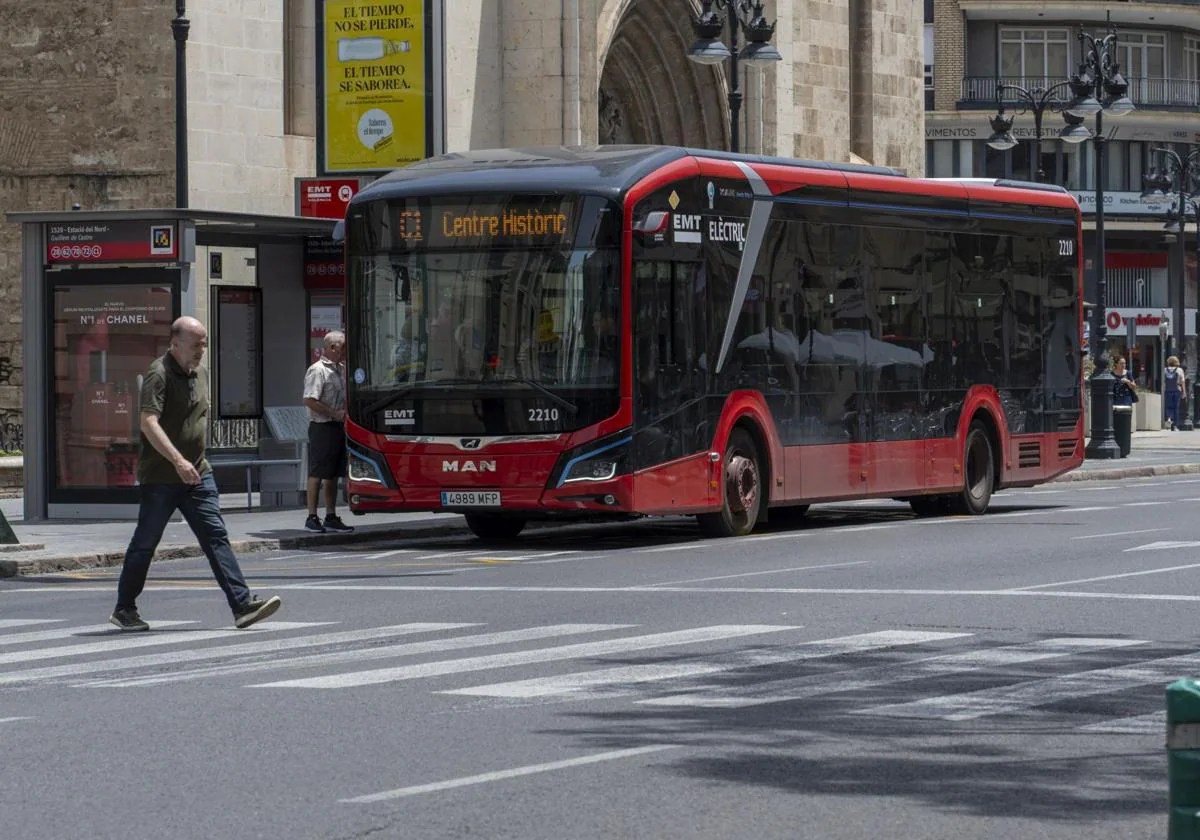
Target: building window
(1035, 57)
(1191, 58)
(941, 163)
(1144, 65)
(928, 66)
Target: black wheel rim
(979, 468)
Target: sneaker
(127, 618)
(255, 610)
(333, 522)
(314, 524)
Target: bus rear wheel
(495, 526)
(979, 474)
(743, 490)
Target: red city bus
(617, 331)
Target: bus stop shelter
(99, 292)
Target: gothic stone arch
(648, 91)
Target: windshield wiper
(403, 391)
(544, 391)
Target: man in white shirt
(325, 398)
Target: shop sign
(122, 242)
(324, 198)
(1121, 204)
(375, 94)
(1146, 321)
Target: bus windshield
(516, 322)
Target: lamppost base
(1100, 450)
(1103, 444)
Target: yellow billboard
(374, 85)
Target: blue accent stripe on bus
(929, 211)
(562, 479)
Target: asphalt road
(860, 674)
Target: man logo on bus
(712, 194)
(469, 466)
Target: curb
(70, 562)
(1148, 471)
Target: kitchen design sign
(378, 65)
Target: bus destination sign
(481, 226)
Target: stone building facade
(87, 99)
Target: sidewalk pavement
(66, 545)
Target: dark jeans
(1171, 400)
(200, 507)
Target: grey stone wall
(87, 117)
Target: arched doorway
(649, 91)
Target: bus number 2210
(543, 415)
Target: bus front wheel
(743, 490)
(979, 474)
(494, 526)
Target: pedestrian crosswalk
(1098, 685)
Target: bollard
(1183, 759)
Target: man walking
(325, 398)
(174, 475)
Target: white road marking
(756, 574)
(862, 679)
(1142, 504)
(607, 681)
(1025, 695)
(1110, 577)
(498, 775)
(153, 660)
(683, 547)
(21, 622)
(370, 654)
(103, 631)
(529, 657)
(14, 719)
(1163, 545)
(380, 555)
(756, 590)
(1151, 724)
(122, 641)
(1118, 534)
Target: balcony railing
(1172, 94)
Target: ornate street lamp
(1177, 175)
(1098, 88)
(1036, 101)
(709, 49)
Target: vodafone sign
(1147, 321)
(324, 198)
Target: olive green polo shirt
(180, 399)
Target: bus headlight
(596, 469)
(595, 461)
(365, 466)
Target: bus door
(671, 415)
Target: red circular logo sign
(1114, 320)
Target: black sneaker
(127, 618)
(255, 610)
(314, 524)
(333, 522)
